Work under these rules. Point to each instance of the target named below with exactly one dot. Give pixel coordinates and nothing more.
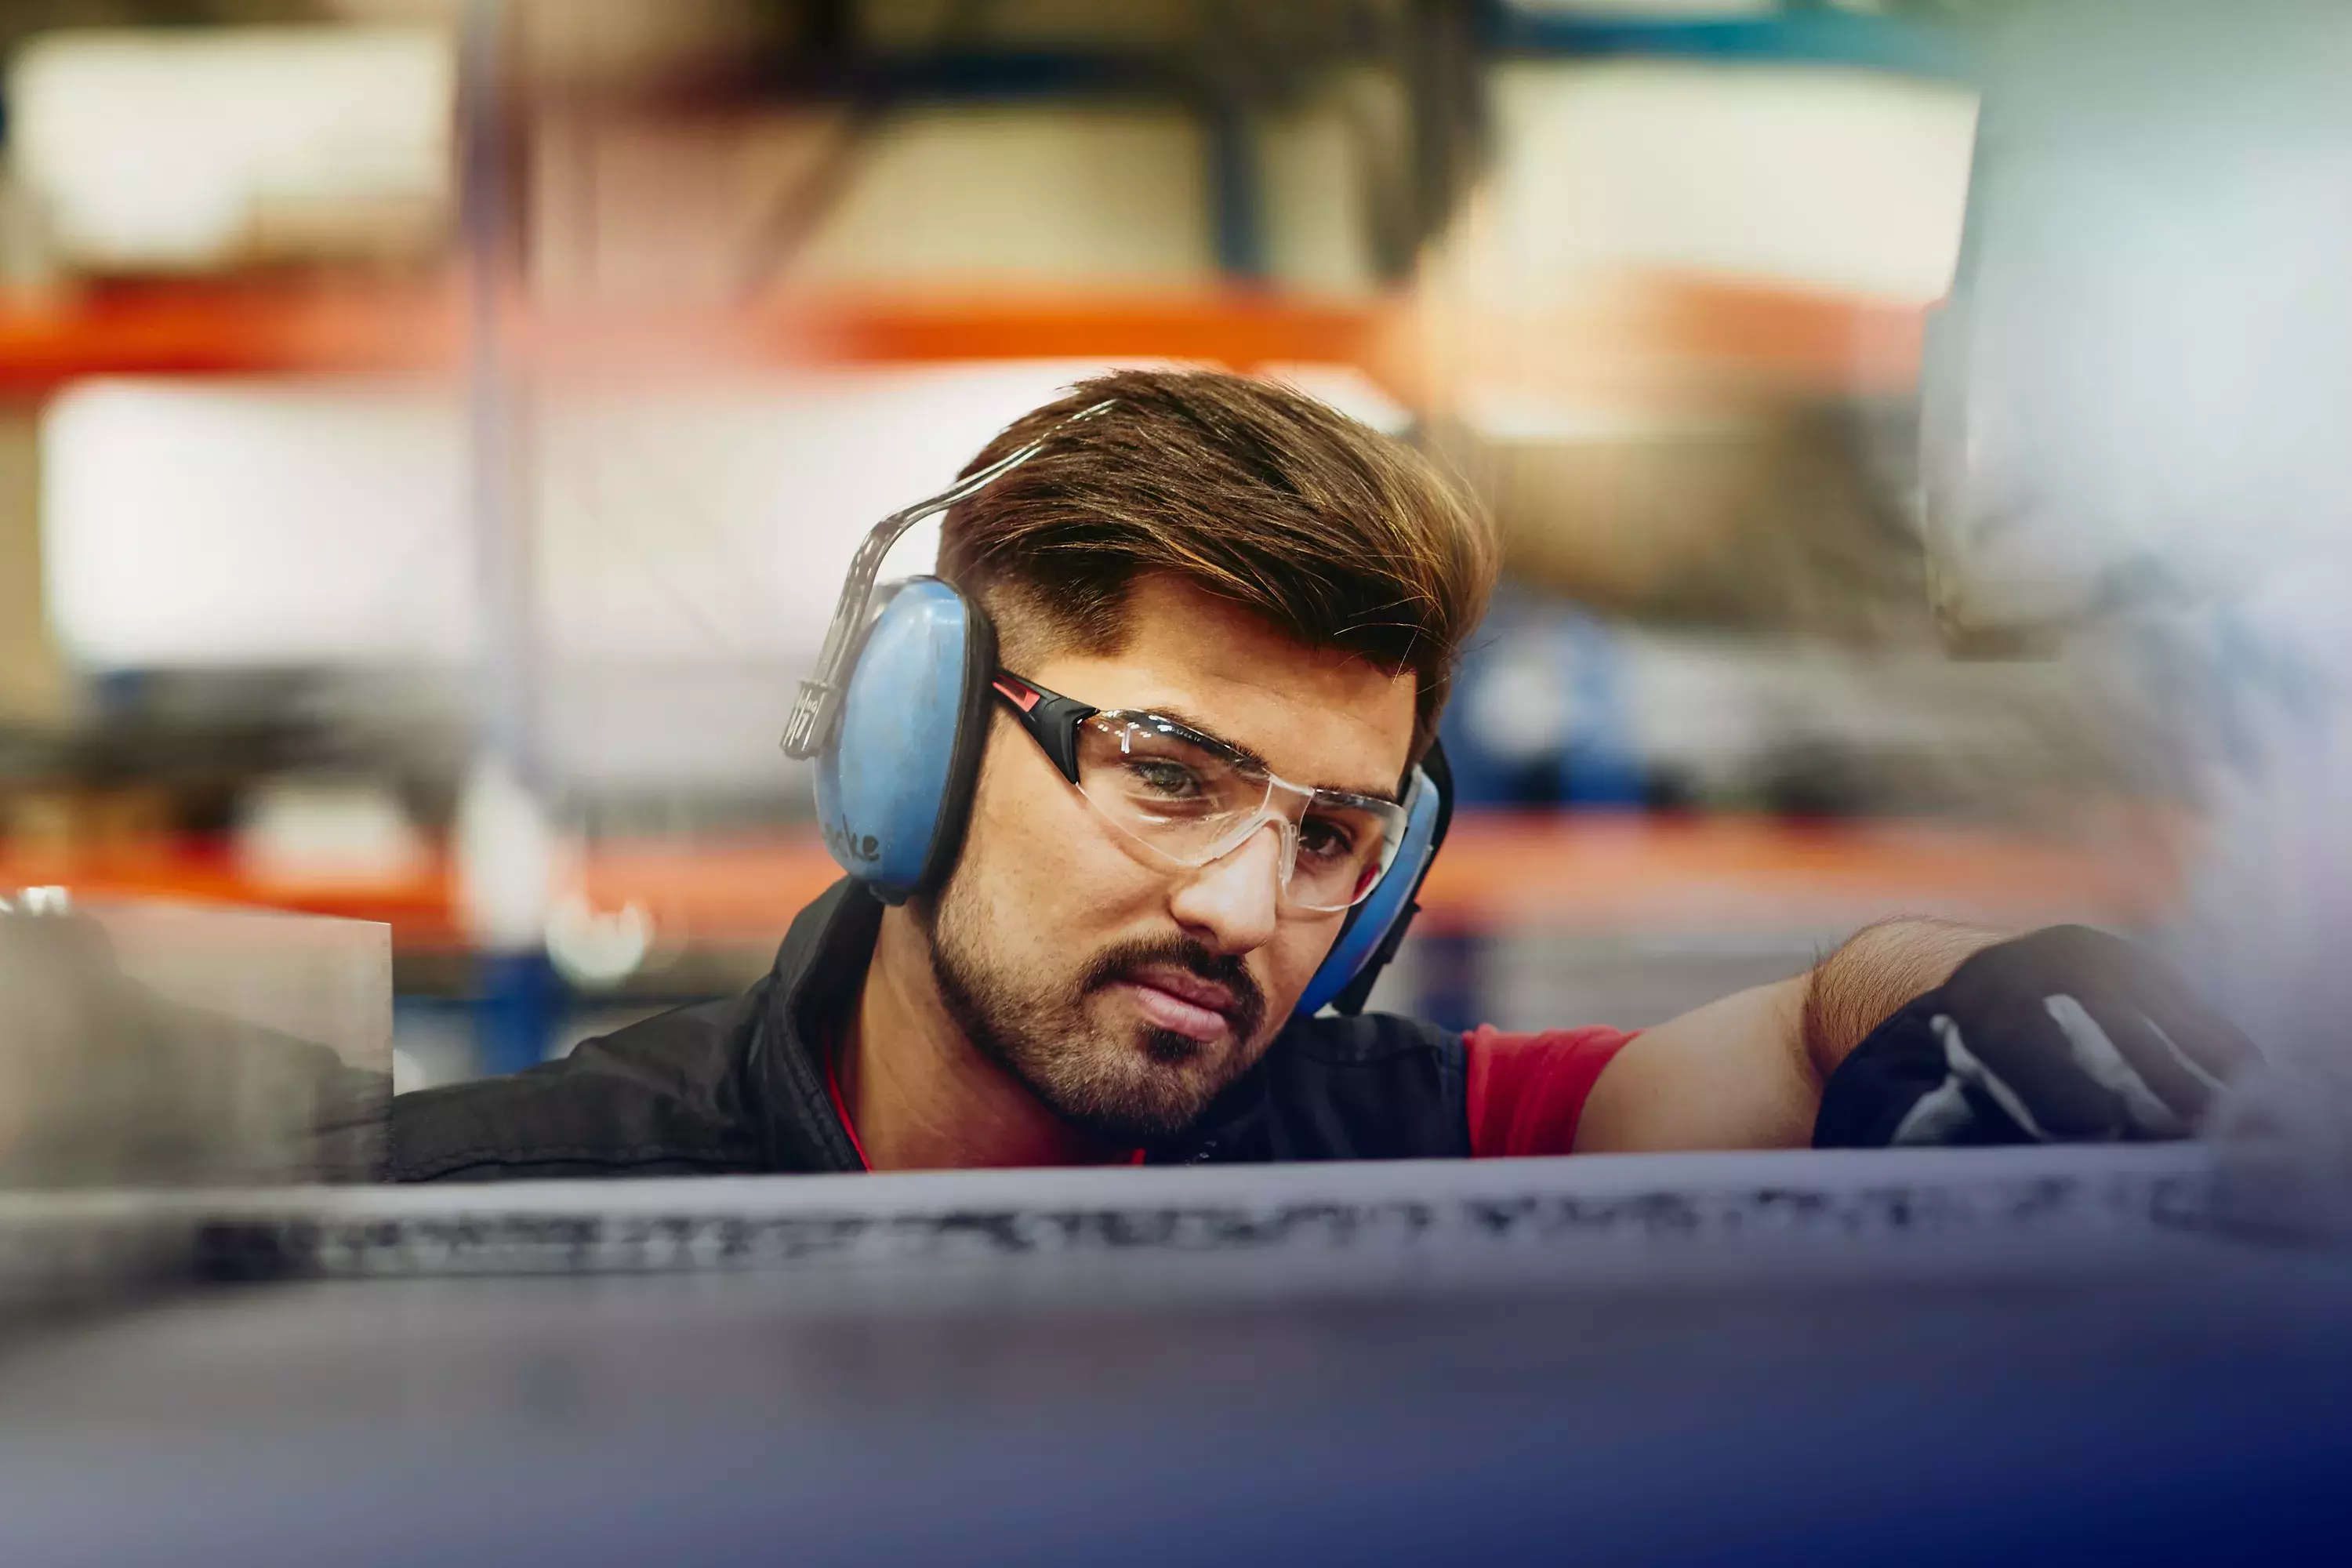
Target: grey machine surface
(1940, 1356)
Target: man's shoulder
(665, 1095)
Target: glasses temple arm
(1051, 719)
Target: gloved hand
(2068, 1036)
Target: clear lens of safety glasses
(1193, 800)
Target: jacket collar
(819, 972)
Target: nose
(1231, 902)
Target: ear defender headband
(898, 711)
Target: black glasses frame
(1051, 719)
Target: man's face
(1126, 990)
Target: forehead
(1317, 716)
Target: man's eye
(1326, 840)
(1170, 781)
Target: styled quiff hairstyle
(1334, 534)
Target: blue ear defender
(897, 714)
(1375, 929)
(894, 785)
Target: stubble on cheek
(1060, 1029)
(1023, 963)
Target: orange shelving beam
(284, 329)
(1745, 331)
(1579, 873)
(223, 329)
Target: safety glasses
(1192, 798)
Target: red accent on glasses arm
(1021, 697)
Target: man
(1222, 566)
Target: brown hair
(1335, 534)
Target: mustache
(1121, 960)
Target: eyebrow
(1245, 754)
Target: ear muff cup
(894, 783)
(1374, 928)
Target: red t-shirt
(1527, 1091)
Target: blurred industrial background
(432, 432)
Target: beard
(1121, 1085)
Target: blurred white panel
(223, 523)
(669, 211)
(1317, 205)
(716, 522)
(650, 726)
(693, 539)
(996, 195)
(1843, 180)
(178, 150)
(211, 523)
(690, 536)
(304, 834)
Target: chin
(1146, 1087)
(1170, 1050)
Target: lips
(1185, 990)
(1184, 1003)
(1186, 987)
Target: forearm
(1747, 1073)
(1872, 975)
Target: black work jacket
(739, 1087)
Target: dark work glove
(2068, 1036)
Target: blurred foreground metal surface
(2048, 1355)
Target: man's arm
(1747, 1073)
